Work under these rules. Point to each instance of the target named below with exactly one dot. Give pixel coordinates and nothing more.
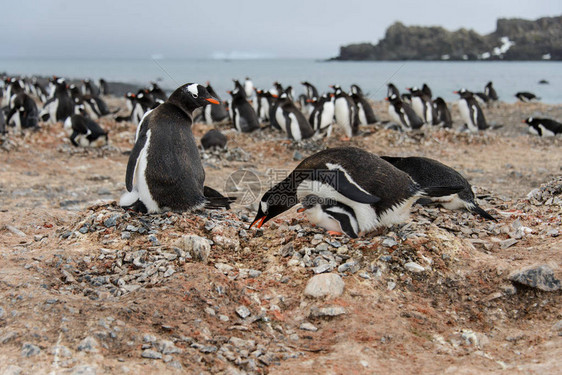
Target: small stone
(306, 326)
(414, 267)
(197, 247)
(169, 271)
(152, 238)
(297, 156)
(390, 285)
(325, 267)
(112, 221)
(125, 235)
(322, 247)
(224, 268)
(365, 275)
(508, 243)
(148, 338)
(61, 351)
(131, 228)
(29, 350)
(323, 312)
(13, 370)
(287, 250)
(389, 242)
(224, 318)
(89, 345)
(539, 277)
(2, 312)
(243, 311)
(557, 327)
(167, 347)
(324, 285)
(151, 354)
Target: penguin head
(355, 89)
(191, 96)
(439, 101)
(274, 202)
(464, 93)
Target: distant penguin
(212, 113)
(481, 97)
(90, 88)
(378, 193)
(248, 87)
(444, 118)
(40, 90)
(365, 113)
(13, 86)
(526, 96)
(85, 132)
(244, 117)
(157, 93)
(213, 139)
(543, 127)
(2, 123)
(60, 106)
(427, 91)
(392, 90)
(142, 104)
(23, 113)
(345, 112)
(428, 172)
(421, 104)
(471, 112)
(334, 216)
(491, 92)
(164, 171)
(401, 113)
(310, 90)
(322, 116)
(277, 89)
(264, 102)
(104, 87)
(292, 121)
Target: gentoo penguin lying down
(382, 197)
(543, 127)
(428, 172)
(164, 171)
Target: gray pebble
(326, 267)
(13, 370)
(29, 350)
(308, 327)
(321, 312)
(414, 267)
(243, 311)
(324, 285)
(151, 354)
(540, 277)
(83, 370)
(2, 312)
(389, 242)
(112, 221)
(89, 344)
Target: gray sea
(442, 76)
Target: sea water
(443, 77)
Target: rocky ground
(88, 288)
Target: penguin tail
(129, 199)
(478, 210)
(440, 191)
(215, 199)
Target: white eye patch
(264, 206)
(193, 90)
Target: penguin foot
(346, 139)
(334, 233)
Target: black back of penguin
(490, 91)
(174, 173)
(365, 113)
(299, 130)
(429, 172)
(407, 116)
(213, 139)
(24, 108)
(543, 126)
(86, 132)
(243, 114)
(471, 112)
(443, 114)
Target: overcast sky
(235, 28)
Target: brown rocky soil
(89, 288)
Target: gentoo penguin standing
(392, 90)
(248, 87)
(491, 92)
(85, 132)
(428, 172)
(263, 101)
(345, 112)
(322, 116)
(89, 88)
(332, 215)
(443, 115)
(23, 113)
(471, 112)
(243, 115)
(543, 127)
(2, 123)
(427, 91)
(104, 88)
(164, 171)
(421, 104)
(212, 113)
(526, 96)
(365, 112)
(60, 106)
(310, 93)
(213, 139)
(157, 93)
(378, 193)
(403, 114)
(292, 121)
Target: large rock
(324, 285)
(539, 277)
(198, 247)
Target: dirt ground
(87, 288)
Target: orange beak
(523, 121)
(213, 101)
(275, 96)
(455, 92)
(387, 98)
(259, 222)
(302, 209)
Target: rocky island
(513, 39)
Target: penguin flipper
(478, 210)
(216, 199)
(133, 158)
(440, 191)
(341, 183)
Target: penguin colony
(344, 190)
